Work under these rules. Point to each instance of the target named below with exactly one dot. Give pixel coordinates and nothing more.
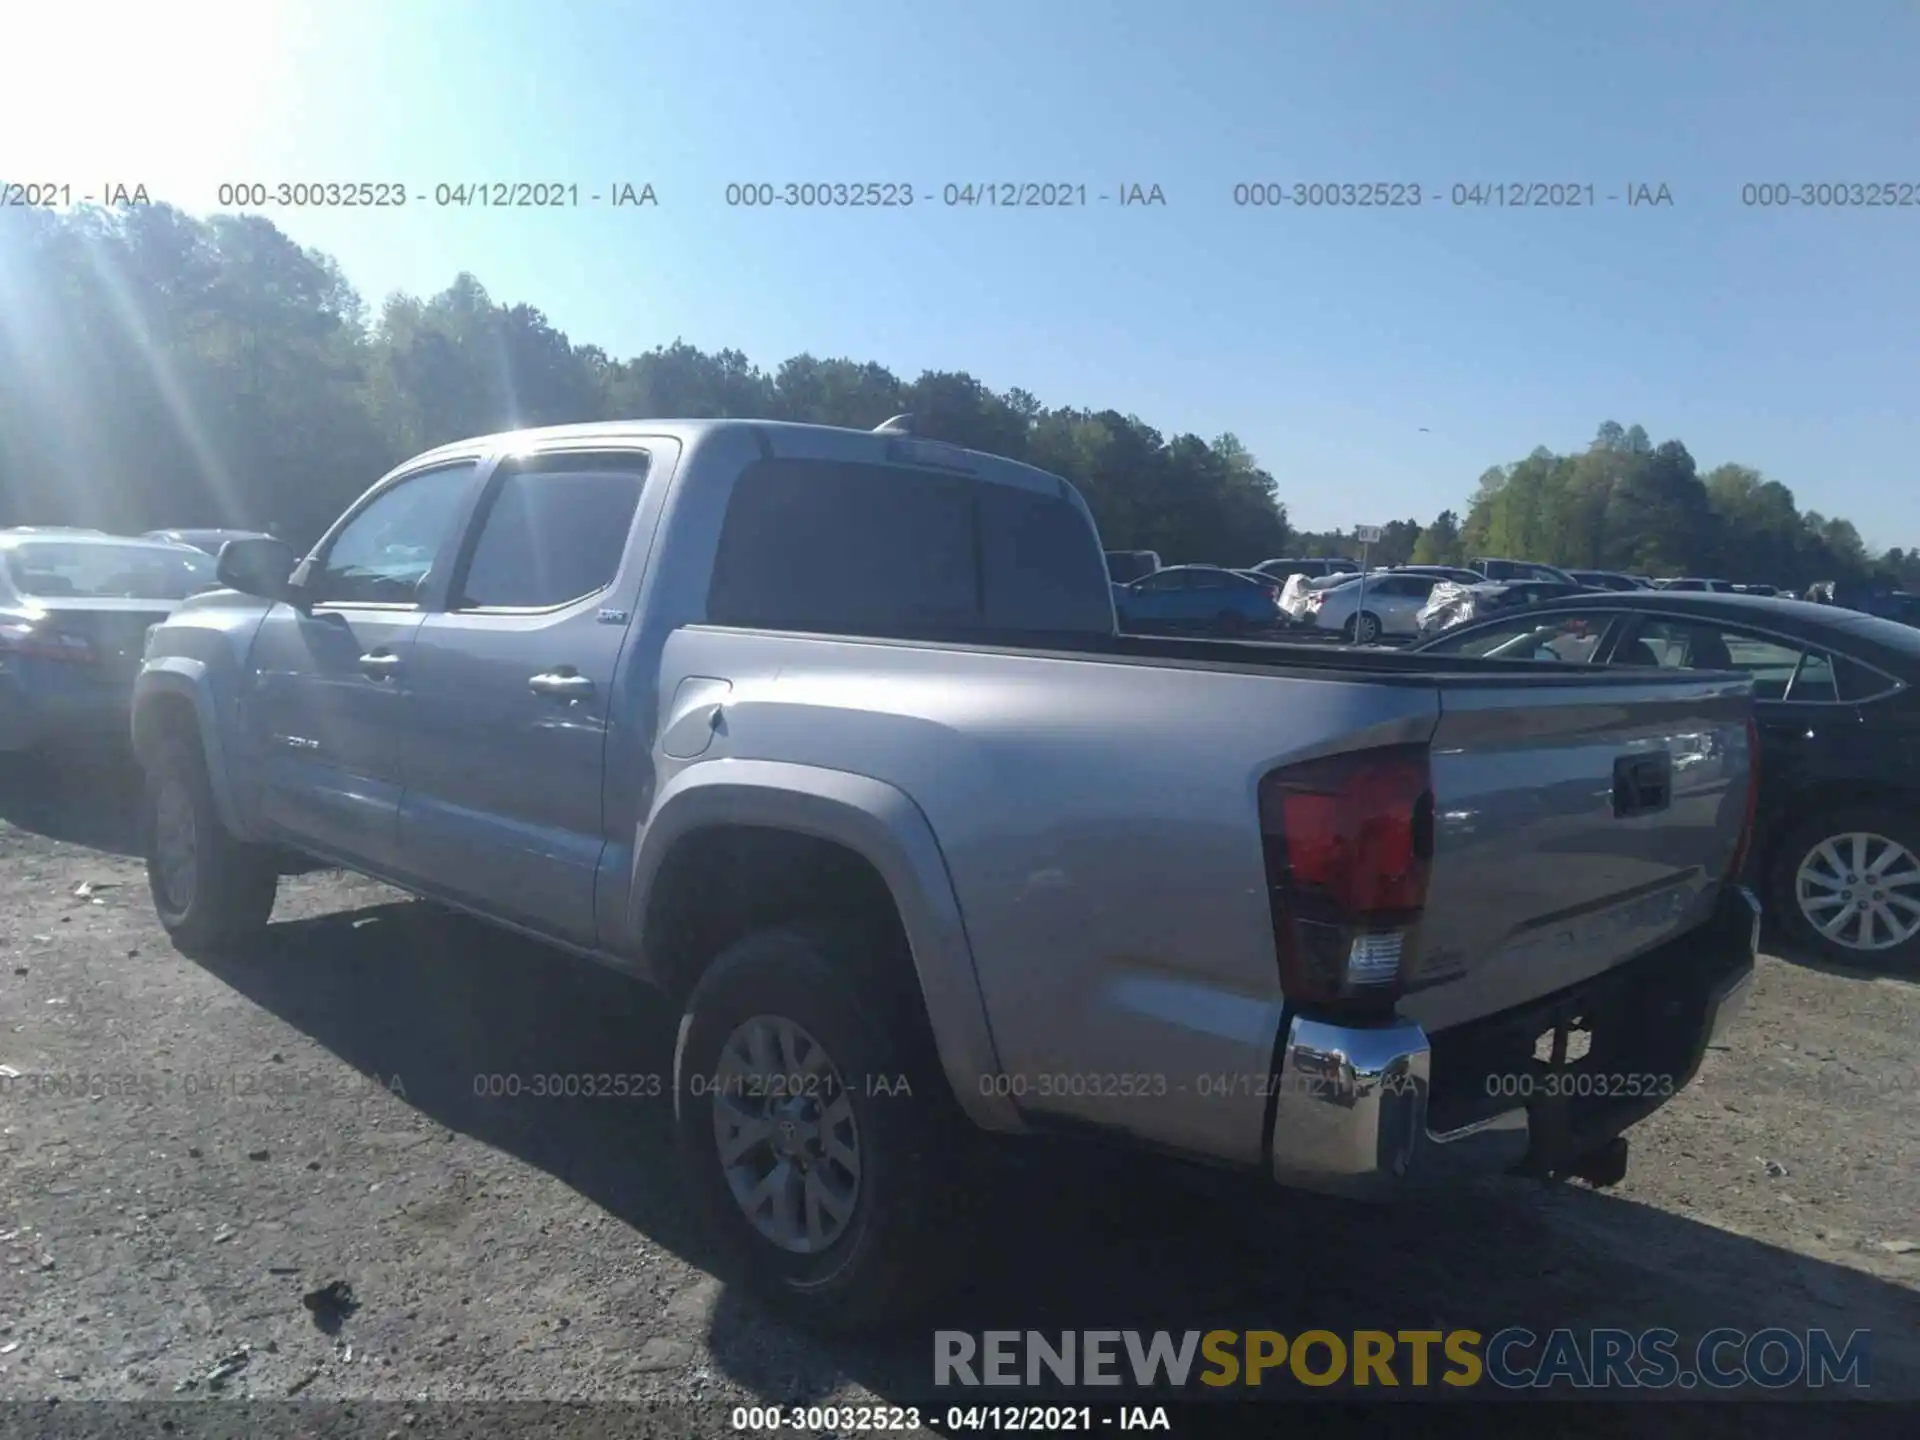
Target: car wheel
(1847, 886)
(1230, 622)
(210, 891)
(1364, 628)
(818, 1137)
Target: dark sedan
(74, 613)
(1837, 701)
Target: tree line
(161, 369)
(1629, 505)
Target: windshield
(50, 570)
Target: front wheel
(1364, 628)
(818, 1139)
(210, 891)
(1847, 886)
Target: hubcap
(1860, 890)
(176, 844)
(785, 1132)
(1366, 628)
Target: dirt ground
(186, 1151)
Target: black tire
(229, 897)
(899, 1251)
(1230, 622)
(1352, 628)
(1783, 900)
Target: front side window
(1568, 639)
(384, 554)
(554, 531)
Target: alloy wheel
(1861, 891)
(784, 1127)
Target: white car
(1392, 605)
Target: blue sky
(1788, 340)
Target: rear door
(1809, 735)
(1397, 601)
(510, 693)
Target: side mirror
(258, 566)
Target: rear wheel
(210, 891)
(1847, 886)
(818, 1136)
(1230, 622)
(1364, 628)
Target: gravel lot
(256, 1129)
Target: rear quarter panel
(1099, 822)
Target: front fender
(189, 679)
(880, 823)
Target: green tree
(1439, 543)
(161, 369)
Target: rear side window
(842, 548)
(554, 531)
(1859, 682)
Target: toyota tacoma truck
(830, 736)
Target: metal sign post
(1367, 535)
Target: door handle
(1642, 784)
(566, 684)
(380, 664)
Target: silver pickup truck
(829, 735)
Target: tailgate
(1576, 826)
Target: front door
(327, 685)
(510, 694)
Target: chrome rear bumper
(1351, 1116)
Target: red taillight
(1349, 849)
(1741, 850)
(24, 640)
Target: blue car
(1198, 597)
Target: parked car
(1685, 584)
(1496, 569)
(1314, 569)
(207, 540)
(1199, 597)
(1387, 603)
(1740, 589)
(1605, 580)
(1453, 573)
(74, 610)
(1837, 695)
(1449, 605)
(829, 736)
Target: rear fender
(883, 825)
